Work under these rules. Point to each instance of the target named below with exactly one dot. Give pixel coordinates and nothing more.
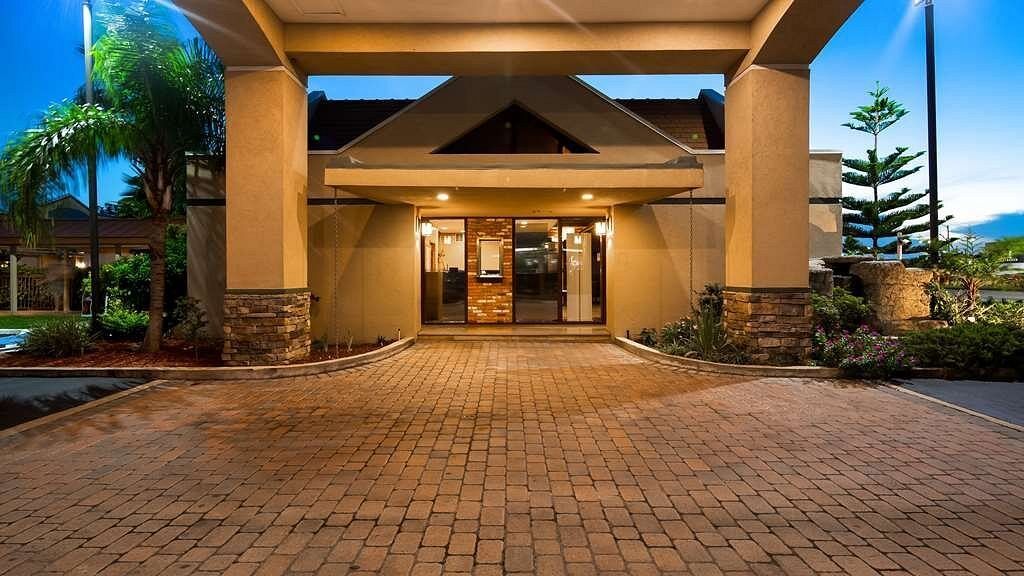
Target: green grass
(8, 322)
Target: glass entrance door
(583, 270)
(444, 288)
(537, 288)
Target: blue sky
(980, 81)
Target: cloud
(975, 194)
(977, 200)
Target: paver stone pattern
(490, 458)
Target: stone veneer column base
(775, 324)
(265, 327)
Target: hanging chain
(334, 273)
(692, 292)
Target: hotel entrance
(513, 270)
(559, 271)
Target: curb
(733, 369)
(217, 373)
(957, 407)
(50, 418)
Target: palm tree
(158, 100)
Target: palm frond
(39, 163)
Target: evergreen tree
(853, 247)
(881, 219)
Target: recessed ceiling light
(442, 196)
(587, 196)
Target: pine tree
(882, 219)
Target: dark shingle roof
(335, 123)
(76, 232)
(688, 121)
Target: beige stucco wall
(266, 180)
(826, 231)
(206, 230)
(649, 262)
(768, 172)
(377, 271)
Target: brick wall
(490, 301)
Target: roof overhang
(516, 190)
(476, 37)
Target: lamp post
(933, 164)
(94, 225)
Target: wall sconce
(426, 228)
(601, 228)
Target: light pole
(94, 224)
(933, 163)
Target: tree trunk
(157, 281)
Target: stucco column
(766, 224)
(266, 304)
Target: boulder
(898, 296)
(820, 277)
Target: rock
(897, 294)
(840, 265)
(820, 277)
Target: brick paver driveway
(528, 457)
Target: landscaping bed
(118, 355)
(175, 353)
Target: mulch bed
(319, 355)
(174, 354)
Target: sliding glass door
(537, 286)
(583, 270)
(444, 272)
(559, 271)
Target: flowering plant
(863, 353)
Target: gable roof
(694, 122)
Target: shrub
(710, 341)
(127, 279)
(702, 336)
(712, 298)
(648, 337)
(674, 337)
(862, 353)
(971, 350)
(58, 338)
(1006, 282)
(841, 311)
(190, 320)
(1006, 312)
(121, 322)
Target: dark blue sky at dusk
(980, 50)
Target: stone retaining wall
(265, 328)
(776, 325)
